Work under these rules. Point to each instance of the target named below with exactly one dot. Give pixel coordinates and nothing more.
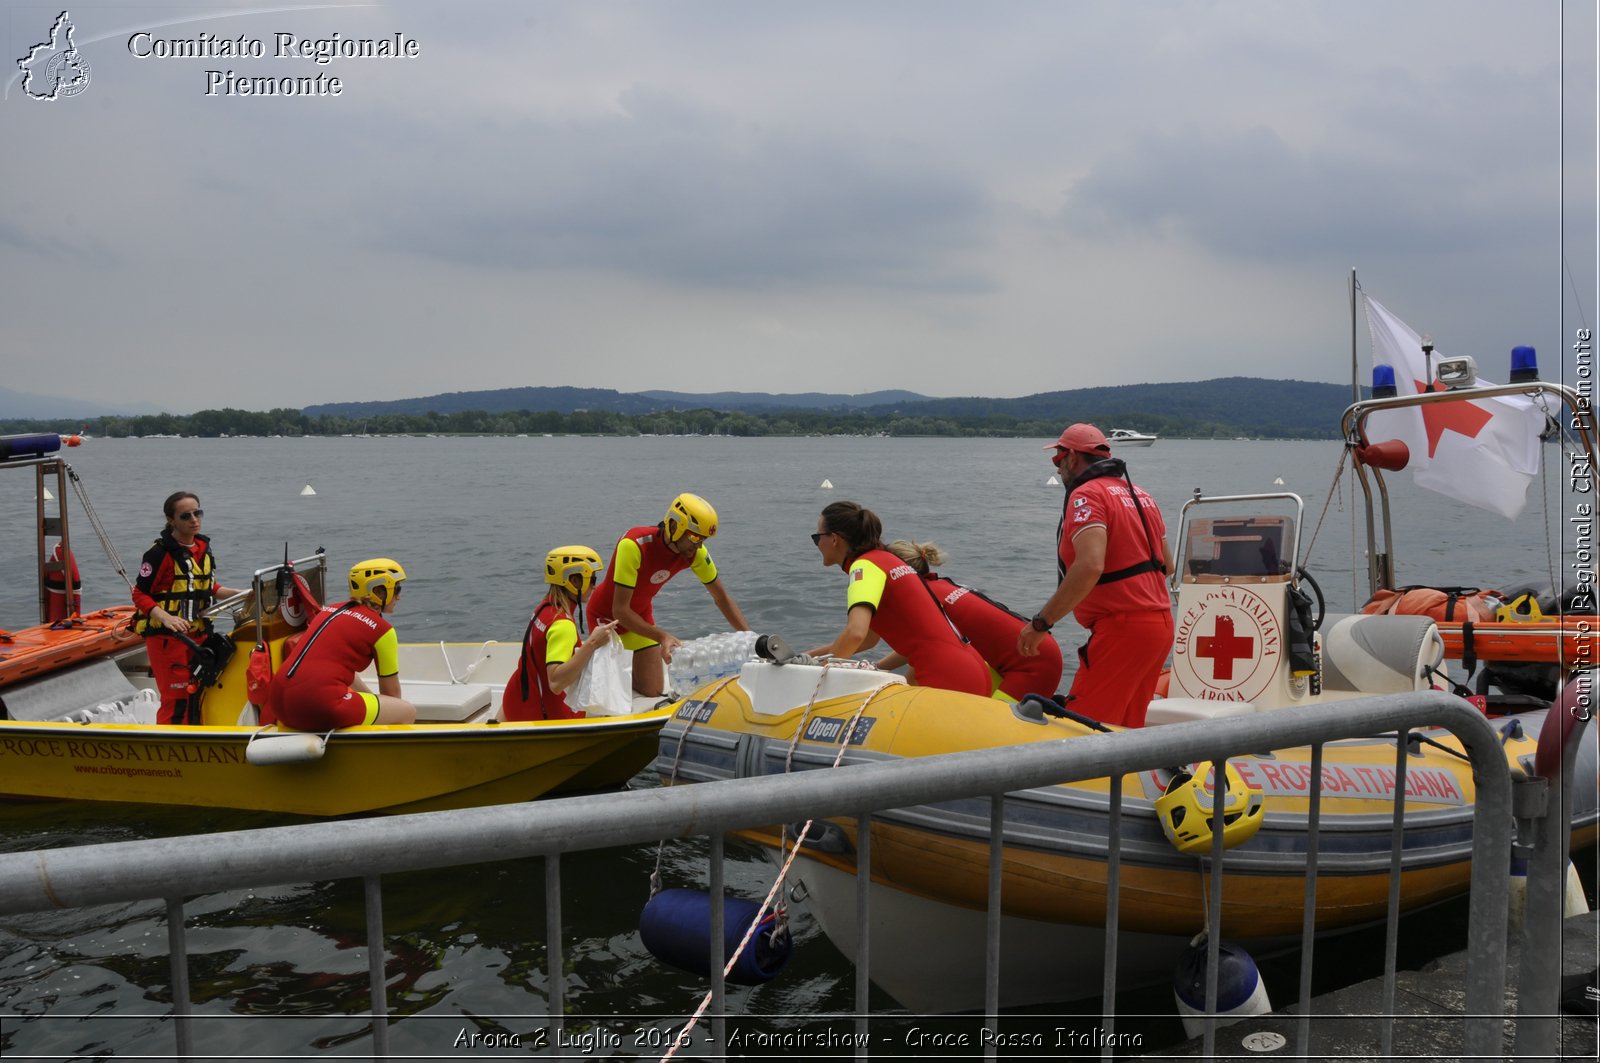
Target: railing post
(1108, 1000)
(377, 979)
(719, 945)
(863, 927)
(552, 934)
(1539, 974)
(991, 988)
(178, 959)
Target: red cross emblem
(1462, 417)
(1223, 647)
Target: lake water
(275, 973)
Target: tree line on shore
(797, 422)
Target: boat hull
(929, 864)
(390, 769)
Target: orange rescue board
(1570, 641)
(35, 651)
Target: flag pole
(1355, 371)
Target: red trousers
(169, 667)
(1119, 665)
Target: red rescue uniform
(551, 639)
(180, 580)
(312, 690)
(643, 563)
(1128, 613)
(905, 615)
(992, 629)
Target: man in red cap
(1112, 560)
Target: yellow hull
(364, 769)
(1056, 870)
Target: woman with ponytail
(887, 600)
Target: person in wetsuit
(990, 626)
(887, 600)
(317, 689)
(645, 558)
(554, 650)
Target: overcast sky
(957, 198)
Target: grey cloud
(668, 191)
(1249, 194)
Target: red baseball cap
(1084, 438)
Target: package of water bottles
(707, 659)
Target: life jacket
(190, 589)
(1450, 604)
(1115, 467)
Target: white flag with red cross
(1484, 452)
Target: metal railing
(171, 869)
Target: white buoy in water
(1052, 482)
(825, 485)
(1240, 991)
(307, 490)
(1278, 482)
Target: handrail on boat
(1353, 426)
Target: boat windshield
(1238, 546)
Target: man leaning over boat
(1111, 560)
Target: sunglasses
(816, 537)
(193, 514)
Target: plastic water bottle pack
(707, 659)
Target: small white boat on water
(1127, 437)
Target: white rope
(783, 873)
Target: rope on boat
(783, 873)
(672, 779)
(1333, 489)
(99, 529)
(483, 655)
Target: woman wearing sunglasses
(177, 582)
(645, 558)
(888, 601)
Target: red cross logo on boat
(1222, 647)
(1462, 417)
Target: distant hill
(571, 400)
(1225, 406)
(21, 404)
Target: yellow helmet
(565, 564)
(690, 513)
(1185, 811)
(377, 581)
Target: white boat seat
(1185, 710)
(775, 689)
(447, 702)
(1379, 654)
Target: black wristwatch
(1039, 623)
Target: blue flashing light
(1524, 365)
(1383, 382)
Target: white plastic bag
(603, 688)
